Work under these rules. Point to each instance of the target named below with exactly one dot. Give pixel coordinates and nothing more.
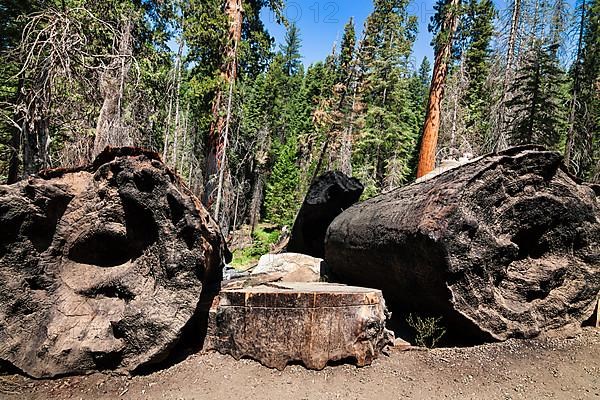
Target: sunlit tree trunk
(440, 71)
(348, 139)
(217, 170)
(15, 142)
(570, 144)
(500, 139)
(260, 160)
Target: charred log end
(106, 156)
(111, 153)
(327, 197)
(517, 258)
(118, 223)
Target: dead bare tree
(454, 138)
(55, 57)
(499, 140)
(571, 155)
(110, 129)
(217, 169)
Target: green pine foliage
(282, 198)
(347, 53)
(479, 29)
(588, 117)
(538, 105)
(290, 50)
(389, 125)
(360, 109)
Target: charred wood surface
(327, 197)
(102, 267)
(505, 246)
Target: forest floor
(516, 369)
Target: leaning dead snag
(443, 53)
(505, 246)
(314, 323)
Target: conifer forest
(249, 126)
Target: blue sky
(321, 23)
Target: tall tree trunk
(15, 142)
(570, 144)
(184, 149)
(33, 119)
(217, 170)
(110, 130)
(431, 127)
(261, 159)
(499, 137)
(512, 39)
(177, 104)
(169, 112)
(14, 161)
(347, 140)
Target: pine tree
(387, 135)
(573, 146)
(281, 198)
(349, 96)
(67, 53)
(538, 105)
(227, 45)
(419, 88)
(479, 28)
(290, 50)
(347, 52)
(588, 127)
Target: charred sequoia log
(505, 246)
(103, 266)
(312, 323)
(327, 197)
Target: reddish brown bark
(431, 126)
(217, 136)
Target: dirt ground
(532, 369)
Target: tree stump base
(311, 323)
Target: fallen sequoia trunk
(102, 267)
(505, 246)
(313, 323)
(327, 197)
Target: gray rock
(290, 267)
(102, 267)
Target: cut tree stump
(312, 323)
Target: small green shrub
(428, 331)
(263, 238)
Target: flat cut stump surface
(312, 323)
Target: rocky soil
(515, 369)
